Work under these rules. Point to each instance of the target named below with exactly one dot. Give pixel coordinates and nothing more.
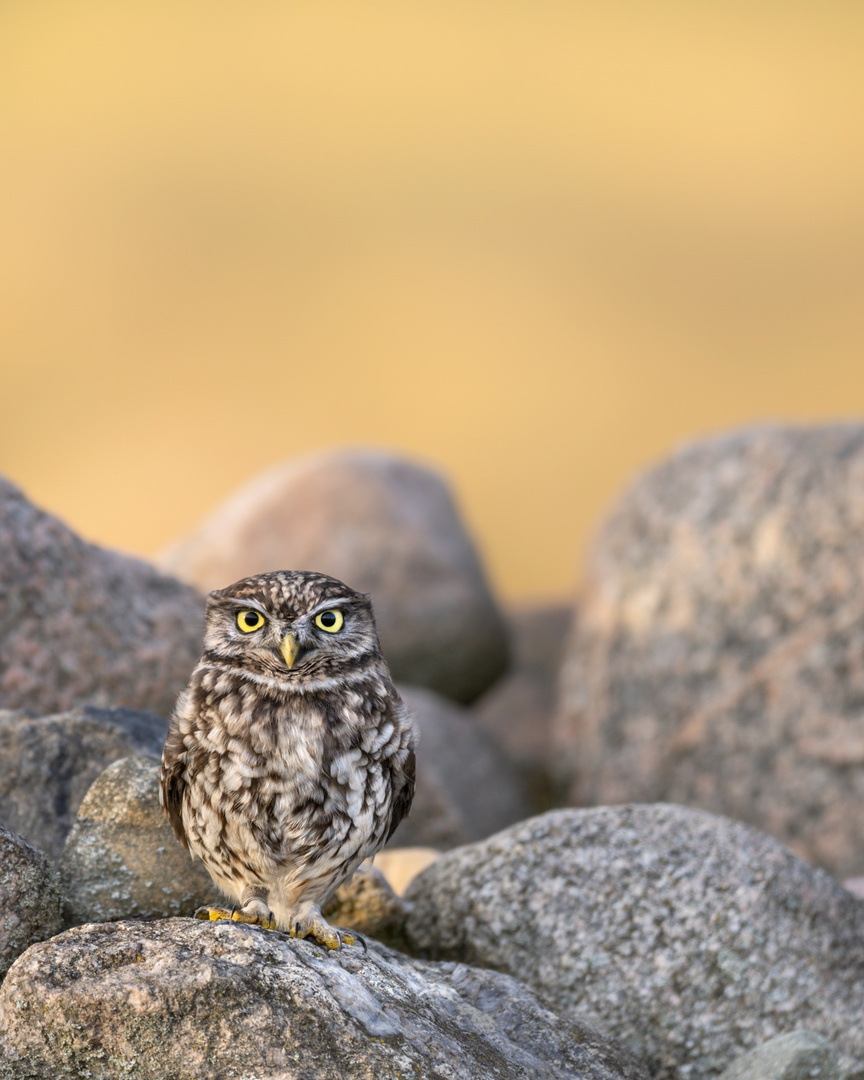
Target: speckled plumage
(287, 765)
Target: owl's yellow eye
(331, 621)
(248, 620)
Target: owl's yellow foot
(212, 913)
(312, 925)
(254, 915)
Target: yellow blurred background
(535, 244)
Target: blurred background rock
(523, 250)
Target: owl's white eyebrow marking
(247, 602)
(329, 605)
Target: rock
(718, 659)
(691, 937)
(49, 762)
(801, 1055)
(122, 859)
(466, 787)
(368, 905)
(400, 865)
(517, 712)
(29, 898)
(81, 625)
(855, 885)
(186, 998)
(384, 526)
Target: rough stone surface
(121, 858)
(718, 659)
(47, 763)
(383, 525)
(801, 1055)
(518, 711)
(466, 786)
(186, 999)
(29, 898)
(81, 625)
(691, 937)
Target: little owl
(290, 756)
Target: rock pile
(717, 660)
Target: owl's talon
(313, 926)
(213, 913)
(351, 937)
(254, 917)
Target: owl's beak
(289, 649)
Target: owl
(290, 755)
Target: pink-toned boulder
(80, 625)
(718, 658)
(383, 525)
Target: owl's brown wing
(172, 786)
(403, 795)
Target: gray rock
(47, 763)
(466, 787)
(81, 625)
(29, 898)
(383, 525)
(518, 711)
(801, 1055)
(718, 659)
(855, 885)
(188, 999)
(691, 937)
(121, 858)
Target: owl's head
(297, 626)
